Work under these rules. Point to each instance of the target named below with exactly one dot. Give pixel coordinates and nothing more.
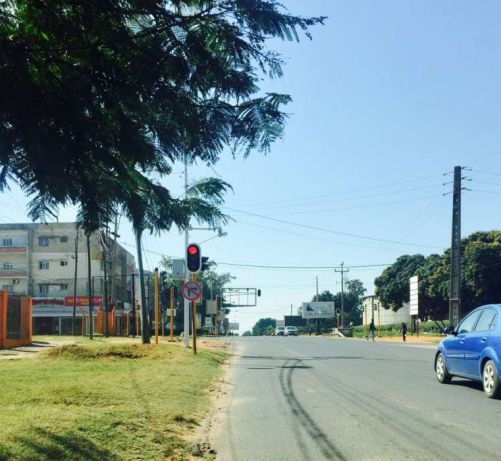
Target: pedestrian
(372, 330)
(404, 331)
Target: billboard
(414, 295)
(318, 310)
(233, 326)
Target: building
(39, 260)
(383, 316)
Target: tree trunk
(89, 274)
(145, 325)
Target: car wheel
(490, 379)
(443, 375)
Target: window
(43, 289)
(63, 239)
(468, 323)
(63, 286)
(7, 242)
(7, 266)
(486, 321)
(43, 265)
(8, 288)
(43, 241)
(64, 262)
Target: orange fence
(118, 324)
(15, 321)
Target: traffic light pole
(172, 314)
(186, 338)
(194, 327)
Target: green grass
(104, 402)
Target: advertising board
(318, 310)
(414, 295)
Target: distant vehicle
(291, 331)
(472, 349)
(279, 331)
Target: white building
(382, 316)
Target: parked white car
(279, 331)
(291, 331)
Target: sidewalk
(410, 339)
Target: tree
(247, 333)
(392, 286)
(262, 325)
(481, 271)
(79, 110)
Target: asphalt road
(310, 398)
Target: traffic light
(205, 263)
(193, 258)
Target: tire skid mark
(386, 411)
(328, 449)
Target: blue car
(472, 349)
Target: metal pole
(317, 288)
(186, 339)
(193, 278)
(155, 282)
(89, 275)
(172, 314)
(74, 318)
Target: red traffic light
(193, 258)
(193, 250)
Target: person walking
(372, 330)
(404, 331)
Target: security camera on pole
(192, 290)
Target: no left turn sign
(192, 291)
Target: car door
(456, 344)
(477, 340)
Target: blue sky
(388, 97)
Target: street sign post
(191, 291)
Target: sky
(388, 97)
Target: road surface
(311, 398)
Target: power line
(345, 192)
(359, 197)
(262, 266)
(346, 234)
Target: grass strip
(104, 402)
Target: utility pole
(342, 271)
(455, 281)
(317, 288)
(74, 318)
(186, 339)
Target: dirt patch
(220, 396)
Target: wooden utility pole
(342, 271)
(455, 276)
